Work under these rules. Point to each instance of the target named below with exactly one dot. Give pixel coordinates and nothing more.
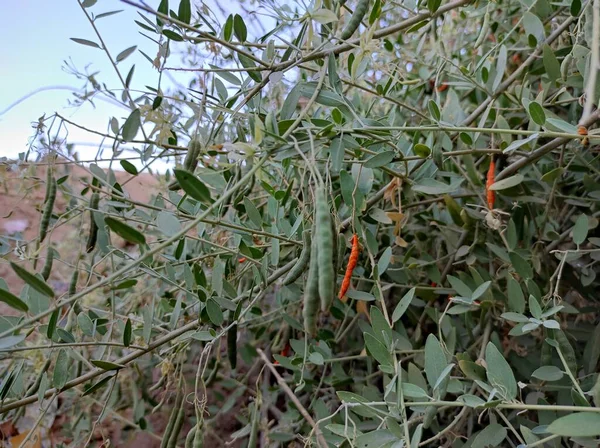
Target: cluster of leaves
(465, 325)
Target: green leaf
(32, 280)
(579, 424)
(481, 290)
(548, 373)
(515, 317)
(131, 126)
(536, 112)
(168, 223)
(192, 185)
(434, 187)
(575, 7)
(521, 266)
(380, 326)
(516, 298)
(324, 16)
(461, 288)
(129, 167)
(125, 53)
(551, 64)
(52, 323)
(534, 307)
(13, 301)
(214, 312)
(473, 401)
(377, 438)
(106, 365)
(509, 182)
(239, 28)
(61, 369)
(500, 67)
(185, 11)
(421, 150)
(499, 373)
(381, 159)
(518, 143)
(403, 305)
(127, 333)
(377, 350)
(435, 360)
(173, 35)
(360, 295)
(384, 261)
(492, 435)
(580, 230)
(125, 231)
(228, 28)
(434, 110)
(556, 124)
(253, 212)
(552, 175)
(533, 26)
(94, 387)
(89, 43)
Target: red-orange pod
(352, 261)
(491, 178)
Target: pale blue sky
(35, 38)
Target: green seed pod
(47, 214)
(73, 282)
(172, 443)
(324, 236)
(190, 162)
(311, 292)
(172, 418)
(302, 262)
(199, 436)
(47, 269)
(232, 346)
(254, 426)
(189, 438)
(93, 232)
(485, 27)
(565, 65)
(354, 22)
(341, 251)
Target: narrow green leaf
(89, 43)
(381, 159)
(185, 11)
(106, 365)
(127, 333)
(403, 305)
(94, 387)
(522, 267)
(509, 182)
(551, 64)
(13, 301)
(377, 350)
(492, 435)
(192, 185)
(52, 323)
(239, 28)
(126, 53)
(548, 373)
(214, 312)
(435, 360)
(32, 280)
(125, 231)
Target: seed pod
(47, 269)
(73, 283)
(491, 176)
(311, 292)
(47, 214)
(172, 418)
(172, 443)
(354, 22)
(190, 162)
(324, 236)
(485, 27)
(254, 426)
(189, 438)
(352, 261)
(199, 436)
(93, 232)
(565, 65)
(232, 346)
(302, 262)
(341, 250)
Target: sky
(35, 38)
